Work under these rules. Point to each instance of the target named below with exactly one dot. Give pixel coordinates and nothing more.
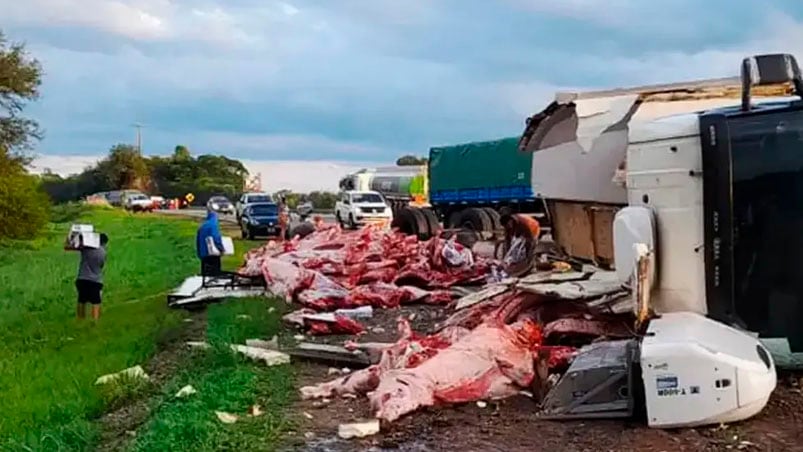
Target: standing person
(284, 217)
(90, 278)
(209, 231)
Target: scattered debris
(299, 337)
(186, 391)
(358, 429)
(309, 435)
(226, 418)
(272, 344)
(255, 411)
(307, 415)
(198, 345)
(482, 404)
(188, 320)
(270, 357)
(136, 372)
(243, 317)
(271, 310)
(330, 354)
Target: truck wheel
(249, 234)
(496, 219)
(352, 223)
(453, 222)
(412, 221)
(421, 224)
(338, 220)
(477, 219)
(434, 225)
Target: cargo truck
(402, 186)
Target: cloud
(357, 80)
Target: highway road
(201, 213)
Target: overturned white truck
(719, 169)
(703, 180)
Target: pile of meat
(332, 269)
(497, 342)
(492, 350)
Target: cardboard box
(82, 233)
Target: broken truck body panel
(580, 140)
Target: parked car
(304, 210)
(356, 208)
(260, 219)
(220, 204)
(251, 198)
(138, 202)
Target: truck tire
(412, 221)
(496, 219)
(432, 222)
(453, 221)
(477, 219)
(422, 225)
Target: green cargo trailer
(487, 172)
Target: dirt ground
(513, 424)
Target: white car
(138, 202)
(356, 208)
(250, 198)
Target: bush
(24, 206)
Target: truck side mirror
(769, 69)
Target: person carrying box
(209, 245)
(89, 282)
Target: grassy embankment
(225, 382)
(49, 361)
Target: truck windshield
(264, 210)
(767, 177)
(365, 198)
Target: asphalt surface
(201, 213)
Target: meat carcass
(492, 361)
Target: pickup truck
(356, 208)
(138, 202)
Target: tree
(24, 206)
(322, 199)
(182, 154)
(125, 168)
(20, 78)
(411, 160)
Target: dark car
(220, 204)
(260, 219)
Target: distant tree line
(172, 177)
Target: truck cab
(356, 208)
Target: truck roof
(687, 123)
(727, 87)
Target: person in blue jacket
(210, 263)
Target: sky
(307, 89)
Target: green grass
(225, 382)
(48, 360)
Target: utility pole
(138, 126)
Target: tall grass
(48, 360)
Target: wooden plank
(584, 230)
